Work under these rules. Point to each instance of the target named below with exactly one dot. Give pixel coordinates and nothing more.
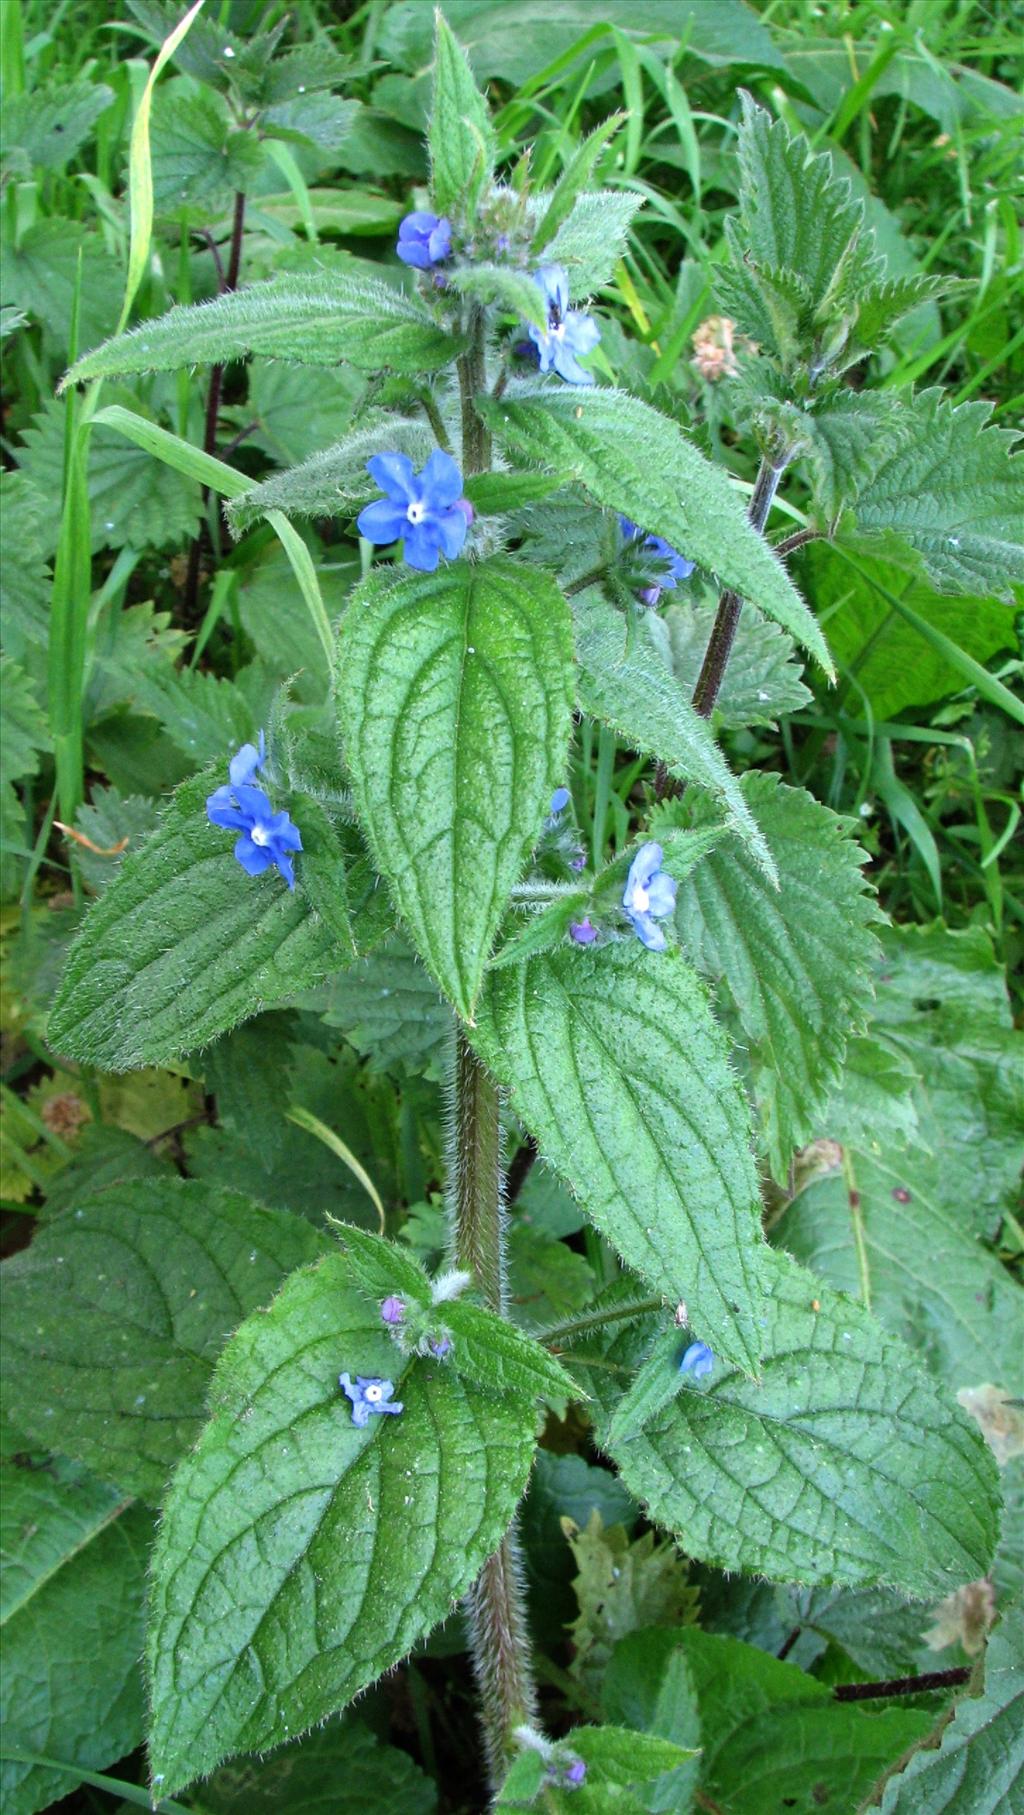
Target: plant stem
(902, 1685)
(472, 367)
(730, 604)
(596, 1320)
(478, 1219)
(228, 280)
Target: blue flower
(265, 837)
(677, 567)
(698, 1361)
(370, 1397)
(424, 240)
(424, 509)
(568, 333)
(649, 896)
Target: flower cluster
(649, 896)
(426, 510)
(569, 334)
(676, 566)
(370, 1396)
(264, 837)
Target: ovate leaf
(796, 960)
(316, 320)
(844, 1463)
(632, 459)
(114, 1317)
(455, 695)
(954, 490)
(74, 1556)
(299, 1556)
(592, 239)
(978, 1768)
(184, 945)
(618, 1069)
(461, 140)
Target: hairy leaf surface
(618, 1069)
(455, 694)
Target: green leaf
(622, 1585)
(249, 1074)
(334, 482)
(23, 728)
(104, 1155)
(313, 320)
(618, 1764)
(183, 945)
(460, 137)
(296, 409)
(72, 1591)
(577, 173)
(649, 1687)
(352, 1543)
(955, 491)
(632, 459)
(513, 291)
(115, 1314)
(321, 119)
(592, 239)
(625, 683)
(47, 127)
(391, 1011)
(762, 681)
(41, 277)
(978, 1767)
(341, 1767)
(455, 699)
(844, 1463)
(618, 1069)
(851, 434)
(199, 158)
(794, 960)
(134, 500)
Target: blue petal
(222, 811)
(440, 481)
(394, 1408)
(414, 252)
(244, 764)
(567, 366)
(643, 869)
(553, 281)
(648, 932)
(382, 522)
(360, 1412)
(285, 832)
(422, 549)
(439, 241)
(559, 800)
(286, 867)
(698, 1361)
(451, 528)
(254, 858)
(420, 221)
(661, 895)
(581, 332)
(394, 474)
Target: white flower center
(260, 835)
(373, 1394)
(641, 899)
(416, 512)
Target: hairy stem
(730, 604)
(478, 1217)
(472, 366)
(495, 1609)
(228, 280)
(596, 1320)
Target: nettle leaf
(622, 1585)
(114, 1316)
(134, 499)
(200, 159)
(24, 731)
(460, 137)
(71, 1597)
(335, 482)
(762, 680)
(314, 319)
(341, 1767)
(47, 127)
(794, 960)
(844, 1463)
(299, 1556)
(978, 1766)
(54, 261)
(851, 435)
(618, 1069)
(577, 173)
(455, 700)
(632, 459)
(954, 490)
(649, 1687)
(183, 944)
(626, 683)
(592, 239)
(322, 119)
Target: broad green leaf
(844, 1463)
(114, 1316)
(322, 119)
(894, 664)
(622, 1585)
(851, 433)
(795, 960)
(592, 239)
(134, 499)
(632, 459)
(978, 1766)
(626, 684)
(649, 1687)
(48, 126)
(955, 491)
(334, 482)
(249, 1073)
(72, 1592)
(200, 158)
(455, 695)
(773, 1738)
(616, 1066)
(297, 410)
(391, 1011)
(575, 176)
(111, 822)
(300, 1557)
(341, 1767)
(762, 681)
(104, 1155)
(41, 277)
(314, 320)
(460, 137)
(184, 945)
(23, 728)
(514, 291)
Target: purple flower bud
(439, 1346)
(392, 1310)
(575, 1774)
(582, 932)
(559, 801)
(579, 862)
(467, 510)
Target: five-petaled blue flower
(677, 567)
(649, 896)
(698, 1361)
(370, 1397)
(424, 240)
(264, 837)
(568, 333)
(426, 508)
